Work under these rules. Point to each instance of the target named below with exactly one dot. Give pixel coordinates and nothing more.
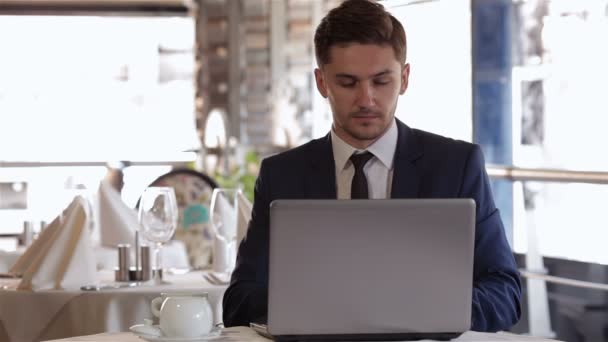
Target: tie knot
(360, 159)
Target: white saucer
(214, 334)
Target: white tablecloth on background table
(42, 315)
(8, 259)
(243, 334)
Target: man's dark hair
(359, 21)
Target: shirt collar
(383, 148)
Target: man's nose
(365, 95)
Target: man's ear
(405, 75)
(321, 85)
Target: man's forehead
(361, 59)
(361, 72)
(360, 75)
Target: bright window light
(96, 88)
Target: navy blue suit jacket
(425, 166)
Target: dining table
(245, 334)
(105, 307)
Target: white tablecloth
(243, 334)
(8, 259)
(236, 334)
(35, 316)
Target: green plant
(241, 176)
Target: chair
(193, 191)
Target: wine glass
(223, 219)
(158, 216)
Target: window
(82, 89)
(96, 88)
(559, 121)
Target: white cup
(183, 314)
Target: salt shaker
(122, 272)
(28, 233)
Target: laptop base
(370, 337)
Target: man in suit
(362, 70)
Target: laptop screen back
(370, 266)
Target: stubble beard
(365, 133)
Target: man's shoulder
(297, 156)
(435, 143)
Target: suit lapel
(320, 181)
(406, 178)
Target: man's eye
(382, 81)
(347, 84)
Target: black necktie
(358, 188)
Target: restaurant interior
(101, 100)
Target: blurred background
(144, 87)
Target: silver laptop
(393, 269)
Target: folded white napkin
(235, 218)
(224, 256)
(243, 216)
(62, 256)
(117, 222)
(226, 214)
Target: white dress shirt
(378, 170)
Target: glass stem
(159, 263)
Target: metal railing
(564, 281)
(546, 175)
(174, 163)
(516, 174)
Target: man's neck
(357, 143)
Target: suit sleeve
(496, 282)
(246, 298)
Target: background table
(43, 315)
(174, 255)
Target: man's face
(362, 84)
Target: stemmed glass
(223, 218)
(158, 216)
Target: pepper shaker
(146, 267)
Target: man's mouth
(366, 115)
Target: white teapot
(183, 314)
